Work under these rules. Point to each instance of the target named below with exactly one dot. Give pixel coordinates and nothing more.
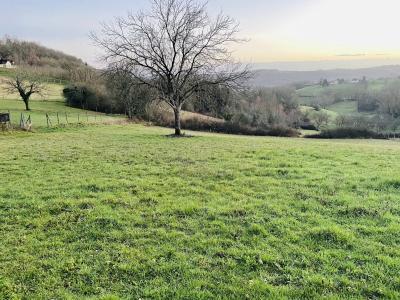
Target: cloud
(352, 55)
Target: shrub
(89, 97)
(308, 126)
(347, 133)
(203, 123)
(235, 128)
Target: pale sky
(284, 34)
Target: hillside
(272, 78)
(45, 62)
(32, 54)
(348, 99)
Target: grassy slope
(39, 108)
(51, 103)
(126, 211)
(316, 90)
(52, 91)
(347, 108)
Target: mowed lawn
(124, 212)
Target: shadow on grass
(182, 136)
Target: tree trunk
(177, 113)
(26, 101)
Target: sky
(282, 34)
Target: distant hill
(33, 54)
(272, 78)
(47, 63)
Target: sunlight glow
(332, 29)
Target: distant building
(6, 63)
(334, 82)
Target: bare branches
(176, 48)
(25, 85)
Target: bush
(88, 97)
(308, 126)
(203, 123)
(229, 127)
(347, 133)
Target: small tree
(176, 49)
(320, 118)
(341, 121)
(25, 86)
(324, 82)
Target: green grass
(39, 109)
(126, 212)
(6, 72)
(51, 91)
(51, 103)
(308, 95)
(340, 89)
(331, 113)
(345, 108)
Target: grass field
(39, 109)
(345, 108)
(52, 91)
(51, 103)
(310, 94)
(66, 115)
(124, 212)
(317, 90)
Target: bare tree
(25, 86)
(341, 121)
(389, 99)
(134, 97)
(176, 49)
(320, 118)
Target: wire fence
(28, 121)
(57, 119)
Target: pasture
(312, 95)
(50, 103)
(66, 115)
(125, 212)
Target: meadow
(59, 114)
(310, 94)
(50, 103)
(125, 212)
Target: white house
(6, 63)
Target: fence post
(29, 123)
(78, 119)
(21, 121)
(66, 117)
(58, 119)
